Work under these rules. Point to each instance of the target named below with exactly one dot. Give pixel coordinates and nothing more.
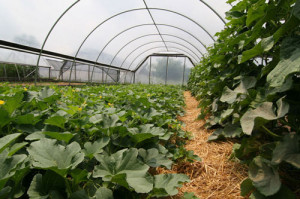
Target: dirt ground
(215, 176)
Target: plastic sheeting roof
(114, 32)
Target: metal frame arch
(146, 56)
(187, 54)
(184, 46)
(147, 35)
(214, 11)
(157, 42)
(133, 27)
(171, 47)
(132, 10)
(140, 63)
(45, 40)
(199, 25)
(151, 54)
(157, 34)
(157, 47)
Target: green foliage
(249, 83)
(165, 184)
(71, 143)
(12, 70)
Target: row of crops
(249, 84)
(91, 142)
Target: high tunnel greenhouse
(146, 99)
(136, 41)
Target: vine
(249, 83)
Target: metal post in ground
(5, 74)
(49, 73)
(183, 71)
(167, 71)
(23, 73)
(150, 70)
(18, 72)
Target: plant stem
(270, 132)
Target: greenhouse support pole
(89, 73)
(49, 73)
(102, 75)
(18, 72)
(150, 70)
(75, 71)
(5, 74)
(167, 71)
(23, 73)
(183, 71)
(118, 76)
(134, 78)
(42, 48)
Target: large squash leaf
(288, 150)
(49, 185)
(58, 121)
(146, 131)
(92, 148)
(153, 158)
(124, 168)
(7, 140)
(4, 118)
(104, 193)
(167, 184)
(263, 113)
(9, 165)
(265, 176)
(283, 69)
(47, 154)
(230, 96)
(13, 102)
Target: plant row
(249, 88)
(90, 142)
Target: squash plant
(249, 83)
(90, 141)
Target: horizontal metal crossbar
(46, 53)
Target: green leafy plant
(249, 84)
(90, 142)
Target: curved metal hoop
(140, 25)
(162, 47)
(132, 10)
(133, 27)
(151, 35)
(216, 13)
(155, 34)
(140, 55)
(45, 40)
(158, 42)
(50, 31)
(186, 53)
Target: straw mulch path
(215, 176)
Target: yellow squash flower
(80, 109)
(2, 102)
(25, 89)
(148, 95)
(100, 97)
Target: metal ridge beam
(155, 25)
(46, 53)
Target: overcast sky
(28, 22)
